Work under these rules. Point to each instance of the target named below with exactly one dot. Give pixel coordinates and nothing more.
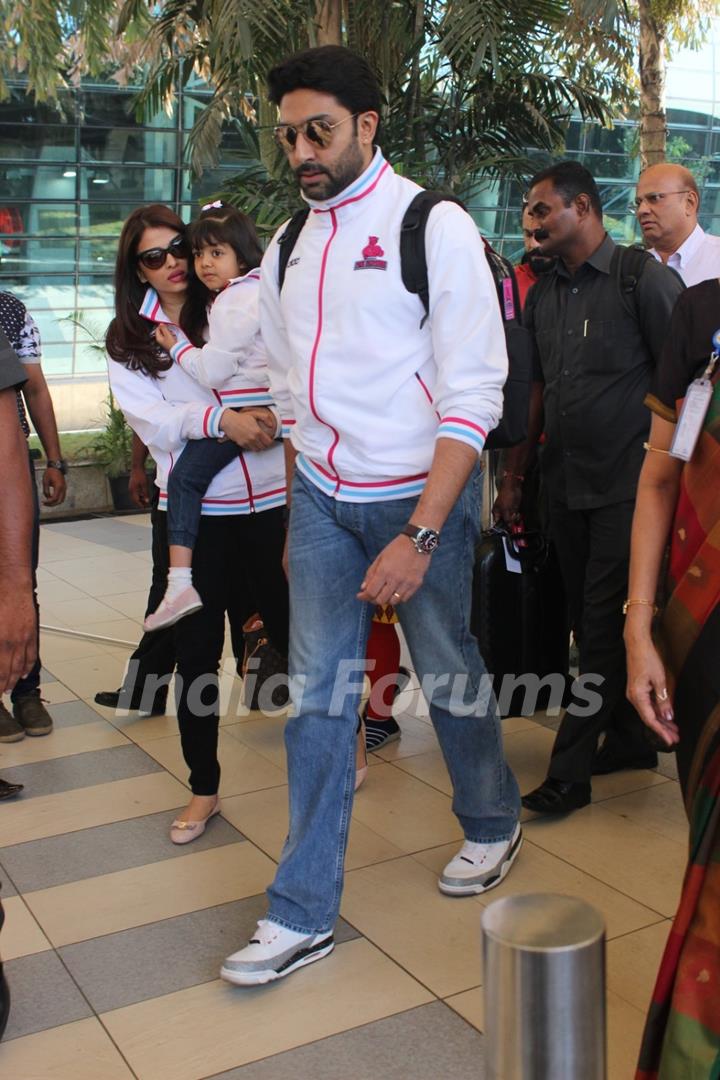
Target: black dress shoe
(111, 700)
(557, 797)
(4, 1002)
(8, 791)
(610, 759)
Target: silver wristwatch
(424, 538)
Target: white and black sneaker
(274, 952)
(479, 867)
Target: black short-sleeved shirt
(688, 347)
(596, 353)
(12, 372)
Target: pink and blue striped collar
(364, 185)
(151, 308)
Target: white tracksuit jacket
(167, 411)
(364, 390)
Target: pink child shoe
(184, 832)
(172, 610)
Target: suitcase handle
(530, 548)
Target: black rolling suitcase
(520, 621)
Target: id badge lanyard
(695, 407)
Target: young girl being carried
(232, 363)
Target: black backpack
(513, 426)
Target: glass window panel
(207, 186)
(128, 146)
(98, 255)
(37, 142)
(21, 109)
(116, 183)
(39, 219)
(30, 181)
(35, 256)
(39, 294)
(113, 107)
(192, 105)
(90, 360)
(57, 360)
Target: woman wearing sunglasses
(238, 549)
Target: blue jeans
(30, 683)
(189, 479)
(331, 546)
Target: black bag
(513, 425)
(521, 622)
(261, 662)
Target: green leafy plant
(113, 445)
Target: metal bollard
(544, 980)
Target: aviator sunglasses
(154, 258)
(317, 131)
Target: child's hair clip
(217, 205)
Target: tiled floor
(114, 937)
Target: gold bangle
(655, 449)
(645, 603)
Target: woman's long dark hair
(217, 225)
(128, 339)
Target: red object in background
(11, 222)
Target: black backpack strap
(287, 241)
(626, 266)
(503, 273)
(413, 259)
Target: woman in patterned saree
(676, 686)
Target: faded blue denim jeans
(331, 546)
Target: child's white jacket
(364, 384)
(167, 411)
(233, 361)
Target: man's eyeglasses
(317, 131)
(154, 258)
(655, 198)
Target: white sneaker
(274, 952)
(173, 608)
(479, 867)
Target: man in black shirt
(598, 331)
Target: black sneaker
(116, 699)
(30, 712)
(10, 729)
(8, 790)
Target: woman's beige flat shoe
(184, 832)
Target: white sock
(179, 577)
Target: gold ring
(398, 595)
(663, 695)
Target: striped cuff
(211, 422)
(181, 346)
(456, 427)
(287, 426)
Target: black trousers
(237, 567)
(593, 547)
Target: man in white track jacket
(385, 414)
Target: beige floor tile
(61, 742)
(418, 737)
(528, 753)
(625, 782)
(56, 550)
(512, 724)
(79, 1051)
(538, 871)
(110, 563)
(98, 671)
(102, 585)
(53, 590)
(112, 902)
(405, 811)
(632, 859)
(70, 811)
(57, 650)
(470, 1005)
(430, 768)
(21, 935)
(667, 766)
(262, 816)
(398, 906)
(122, 630)
(215, 1027)
(263, 734)
(132, 604)
(633, 962)
(659, 808)
(55, 693)
(78, 613)
(624, 1031)
(242, 769)
(141, 729)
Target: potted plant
(113, 449)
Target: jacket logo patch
(372, 256)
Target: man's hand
(397, 573)
(506, 507)
(54, 487)
(139, 486)
(165, 337)
(246, 430)
(18, 645)
(264, 416)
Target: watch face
(427, 540)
